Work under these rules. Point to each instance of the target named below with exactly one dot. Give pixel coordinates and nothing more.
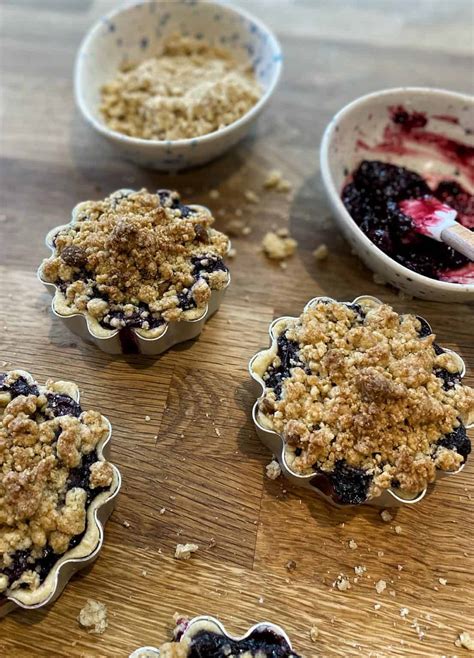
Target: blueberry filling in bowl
(54, 483)
(372, 197)
(134, 262)
(362, 402)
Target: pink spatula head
(437, 220)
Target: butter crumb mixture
(191, 89)
(361, 387)
(138, 259)
(41, 448)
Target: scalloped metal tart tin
(205, 622)
(319, 483)
(128, 340)
(80, 556)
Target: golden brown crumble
(278, 245)
(190, 89)
(275, 181)
(39, 510)
(364, 390)
(93, 616)
(138, 259)
(184, 551)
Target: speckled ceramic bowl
(357, 132)
(137, 32)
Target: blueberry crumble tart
(365, 397)
(204, 637)
(52, 479)
(136, 260)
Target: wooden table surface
(199, 456)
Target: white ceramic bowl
(363, 122)
(137, 32)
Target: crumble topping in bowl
(190, 89)
(365, 396)
(50, 473)
(137, 260)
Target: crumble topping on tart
(191, 89)
(138, 260)
(367, 397)
(204, 637)
(49, 474)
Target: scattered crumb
(377, 606)
(275, 181)
(283, 265)
(360, 570)
(321, 252)
(251, 196)
(380, 586)
(380, 553)
(214, 194)
(465, 640)
(400, 567)
(278, 247)
(386, 516)
(162, 510)
(352, 544)
(184, 551)
(261, 600)
(273, 470)
(212, 543)
(126, 524)
(217, 431)
(93, 616)
(147, 419)
(313, 633)
(342, 583)
(404, 612)
(246, 230)
(232, 253)
(144, 573)
(442, 581)
(392, 592)
(290, 565)
(398, 529)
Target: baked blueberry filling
(287, 351)
(170, 199)
(457, 440)
(19, 387)
(351, 485)
(372, 199)
(261, 643)
(63, 405)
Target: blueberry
(457, 440)
(425, 329)
(350, 484)
(206, 644)
(19, 387)
(450, 380)
(287, 350)
(63, 405)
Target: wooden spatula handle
(460, 238)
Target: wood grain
(199, 456)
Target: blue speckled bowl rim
(255, 110)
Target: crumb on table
(93, 617)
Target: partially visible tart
(136, 261)
(365, 397)
(205, 637)
(52, 479)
